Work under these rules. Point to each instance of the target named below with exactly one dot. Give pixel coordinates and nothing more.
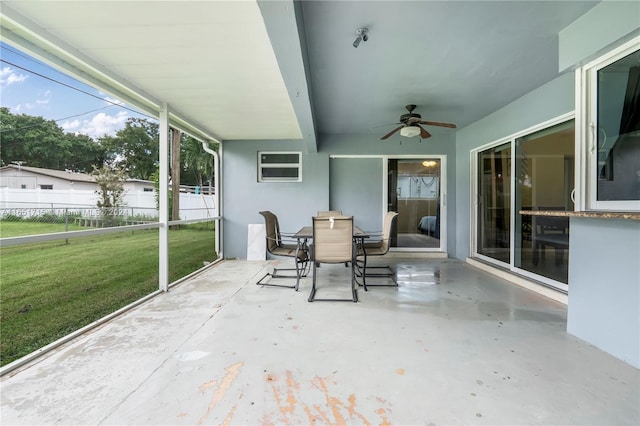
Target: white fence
(20, 202)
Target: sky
(28, 86)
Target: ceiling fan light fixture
(410, 131)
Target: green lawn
(17, 229)
(48, 290)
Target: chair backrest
(333, 239)
(330, 213)
(389, 221)
(272, 230)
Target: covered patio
(450, 345)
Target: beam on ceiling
(284, 25)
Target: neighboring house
(23, 187)
(24, 177)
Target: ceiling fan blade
(423, 133)
(435, 123)
(391, 132)
(385, 125)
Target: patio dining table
(306, 233)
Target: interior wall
(549, 174)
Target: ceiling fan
(411, 125)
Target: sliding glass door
(415, 190)
(494, 202)
(532, 171)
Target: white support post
(216, 187)
(163, 154)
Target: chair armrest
(288, 235)
(374, 234)
(284, 238)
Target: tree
(110, 191)
(134, 148)
(83, 153)
(156, 186)
(38, 142)
(197, 164)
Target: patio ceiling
(211, 61)
(284, 70)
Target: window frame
(586, 178)
(280, 179)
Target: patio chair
(333, 243)
(331, 213)
(279, 244)
(377, 248)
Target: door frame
(443, 198)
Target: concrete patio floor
(450, 345)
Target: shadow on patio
(450, 345)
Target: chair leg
(312, 294)
(361, 271)
(301, 271)
(354, 293)
(365, 271)
(313, 283)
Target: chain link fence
(16, 220)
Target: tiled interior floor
(450, 345)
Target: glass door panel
(414, 192)
(544, 181)
(494, 203)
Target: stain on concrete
(321, 404)
(230, 376)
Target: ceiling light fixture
(429, 163)
(362, 36)
(410, 131)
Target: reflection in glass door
(494, 202)
(414, 191)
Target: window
(23, 186)
(145, 189)
(279, 167)
(610, 121)
(46, 186)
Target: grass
(17, 229)
(48, 290)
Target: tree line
(37, 142)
